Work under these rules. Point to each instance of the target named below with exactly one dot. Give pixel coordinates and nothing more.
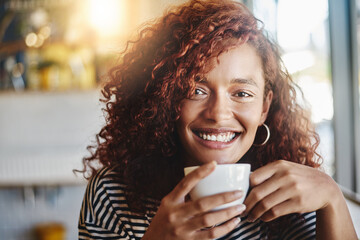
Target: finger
(269, 202)
(190, 180)
(259, 192)
(218, 231)
(262, 174)
(279, 210)
(213, 218)
(206, 204)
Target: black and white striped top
(106, 215)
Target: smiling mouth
(217, 137)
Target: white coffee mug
(225, 178)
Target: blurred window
(305, 43)
(357, 103)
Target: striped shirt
(106, 215)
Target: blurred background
(53, 54)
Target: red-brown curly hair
(159, 69)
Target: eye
(199, 91)
(242, 94)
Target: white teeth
(223, 137)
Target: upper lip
(215, 130)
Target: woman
(204, 86)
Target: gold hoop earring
(267, 136)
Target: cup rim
(191, 168)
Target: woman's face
(220, 120)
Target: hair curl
(159, 69)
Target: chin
(221, 159)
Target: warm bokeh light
(34, 40)
(45, 31)
(39, 41)
(31, 39)
(107, 17)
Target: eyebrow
(235, 80)
(244, 81)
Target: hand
(283, 187)
(177, 219)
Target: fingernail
(212, 164)
(250, 219)
(240, 208)
(237, 220)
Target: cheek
(184, 121)
(249, 116)
(188, 113)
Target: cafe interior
(54, 56)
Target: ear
(266, 107)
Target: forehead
(241, 61)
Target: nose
(218, 108)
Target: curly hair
(143, 93)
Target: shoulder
(102, 184)
(97, 193)
(105, 211)
(104, 191)
(104, 180)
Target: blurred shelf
(44, 135)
